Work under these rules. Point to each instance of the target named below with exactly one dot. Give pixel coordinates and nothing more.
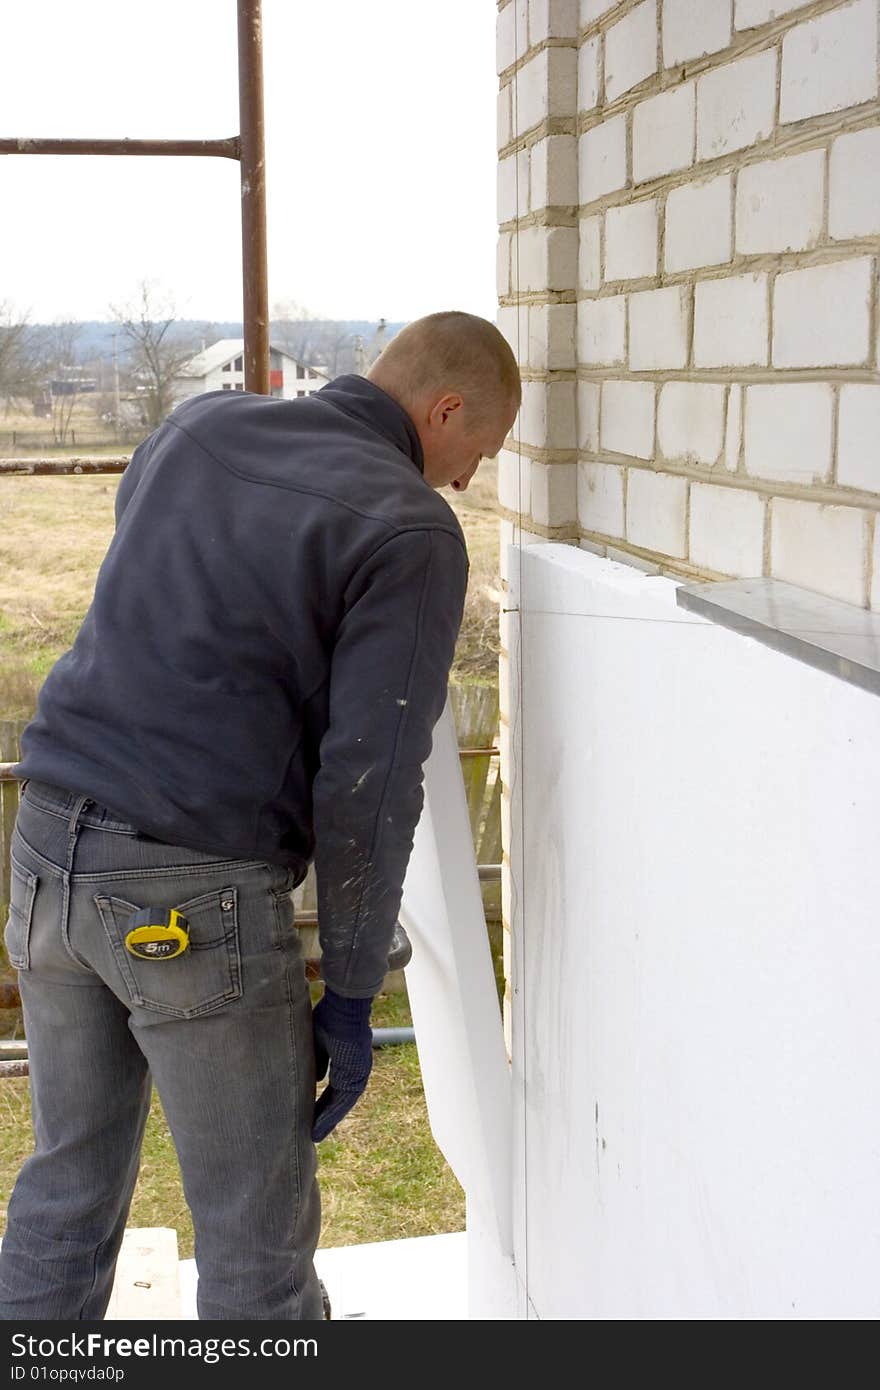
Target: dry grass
(476, 655)
(53, 535)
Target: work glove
(344, 1044)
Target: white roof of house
(225, 350)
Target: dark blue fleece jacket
(268, 648)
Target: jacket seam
(392, 767)
(316, 492)
(410, 530)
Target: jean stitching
(295, 1163)
(164, 871)
(228, 943)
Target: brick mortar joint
(771, 263)
(800, 136)
(536, 453)
(537, 297)
(666, 564)
(743, 42)
(513, 69)
(734, 376)
(568, 532)
(541, 130)
(715, 475)
(552, 216)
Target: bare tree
(19, 369)
(61, 362)
(156, 349)
(296, 330)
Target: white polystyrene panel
(696, 962)
(451, 987)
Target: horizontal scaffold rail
(229, 148)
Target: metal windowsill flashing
(827, 633)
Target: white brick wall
(779, 204)
(504, 118)
(601, 331)
(820, 548)
(511, 38)
(513, 186)
(600, 498)
(736, 105)
(750, 13)
(596, 9)
(727, 530)
(546, 86)
(631, 240)
(546, 417)
(554, 493)
(717, 225)
(656, 511)
(854, 202)
(830, 62)
(733, 429)
(663, 133)
(821, 315)
(658, 329)
(503, 283)
(551, 336)
(875, 584)
(547, 258)
(694, 27)
(788, 431)
(690, 421)
(514, 481)
(698, 224)
(631, 50)
(602, 159)
(628, 418)
(588, 397)
(552, 19)
(858, 446)
(589, 263)
(553, 174)
(588, 75)
(730, 322)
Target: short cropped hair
(450, 351)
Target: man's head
(457, 379)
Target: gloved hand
(344, 1042)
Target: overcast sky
(380, 119)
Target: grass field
(382, 1176)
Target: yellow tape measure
(156, 935)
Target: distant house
(72, 385)
(220, 367)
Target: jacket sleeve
(388, 686)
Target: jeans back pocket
(17, 936)
(204, 978)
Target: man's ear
(444, 408)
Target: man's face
(453, 444)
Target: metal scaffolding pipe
(255, 264)
(25, 144)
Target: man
(255, 685)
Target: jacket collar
(360, 398)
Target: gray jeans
(223, 1030)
